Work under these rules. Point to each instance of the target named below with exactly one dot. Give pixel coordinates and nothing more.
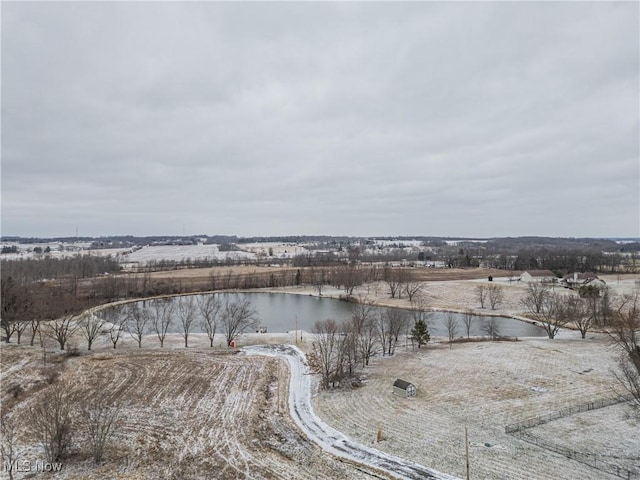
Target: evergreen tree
(420, 332)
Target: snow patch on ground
(328, 438)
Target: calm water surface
(279, 312)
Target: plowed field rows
(187, 414)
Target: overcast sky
(455, 119)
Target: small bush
(15, 390)
(51, 375)
(73, 352)
(499, 338)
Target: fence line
(590, 459)
(593, 460)
(565, 412)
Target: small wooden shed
(404, 388)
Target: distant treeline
(497, 243)
(29, 270)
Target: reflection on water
(280, 312)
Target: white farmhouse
(537, 276)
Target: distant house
(404, 388)
(537, 276)
(577, 279)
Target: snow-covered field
(487, 386)
(276, 249)
(177, 253)
(143, 255)
(188, 414)
(202, 413)
(197, 411)
(331, 440)
(57, 249)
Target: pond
(280, 312)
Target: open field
(458, 294)
(203, 413)
(487, 386)
(187, 414)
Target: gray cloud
(468, 119)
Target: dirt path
(329, 439)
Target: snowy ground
(188, 414)
(193, 413)
(331, 440)
(487, 386)
(177, 253)
(277, 249)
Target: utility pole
(296, 332)
(466, 448)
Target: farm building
(574, 280)
(537, 276)
(404, 388)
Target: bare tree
(364, 327)
(185, 310)
(491, 328)
(8, 445)
(11, 298)
(318, 278)
(535, 296)
(137, 320)
(9, 328)
(495, 294)
(116, 320)
(100, 420)
(209, 307)
(395, 278)
(325, 350)
(574, 310)
(382, 329)
(19, 327)
(548, 314)
(62, 329)
(481, 295)
(91, 326)
(35, 328)
(629, 378)
(391, 323)
(598, 300)
(348, 356)
(421, 310)
(626, 334)
(413, 289)
(467, 320)
(162, 312)
(238, 316)
(333, 353)
(17, 309)
(452, 327)
(348, 277)
(50, 419)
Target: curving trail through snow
(331, 440)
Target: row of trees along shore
(29, 297)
